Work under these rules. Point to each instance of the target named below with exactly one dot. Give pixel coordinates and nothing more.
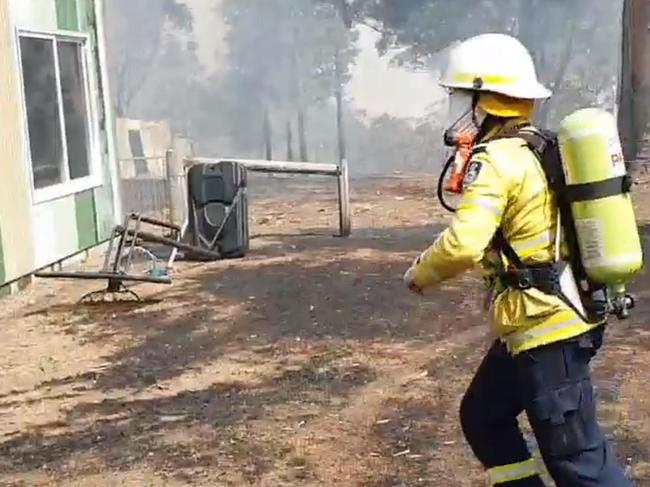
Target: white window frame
(68, 186)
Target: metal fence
(154, 186)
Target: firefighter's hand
(409, 278)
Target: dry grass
(305, 364)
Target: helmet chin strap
(475, 97)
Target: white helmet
(494, 62)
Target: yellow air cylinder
(601, 205)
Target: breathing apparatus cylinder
(597, 188)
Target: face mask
(463, 122)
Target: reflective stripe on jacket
(507, 188)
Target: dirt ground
(305, 364)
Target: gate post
(345, 221)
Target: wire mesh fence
(145, 186)
(153, 186)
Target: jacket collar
(495, 128)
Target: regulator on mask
(464, 121)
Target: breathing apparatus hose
(441, 183)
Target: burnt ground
(305, 364)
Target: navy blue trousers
(552, 384)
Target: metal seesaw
(126, 241)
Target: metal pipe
(109, 251)
(103, 275)
(153, 221)
(120, 244)
(169, 162)
(150, 237)
(129, 256)
(174, 252)
(256, 165)
(143, 158)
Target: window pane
(74, 108)
(44, 124)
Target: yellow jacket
(505, 187)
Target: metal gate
(154, 186)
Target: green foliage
(177, 13)
(575, 44)
(137, 36)
(390, 144)
(283, 53)
(281, 61)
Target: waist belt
(544, 277)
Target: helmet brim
(534, 91)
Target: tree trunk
(545, 107)
(296, 94)
(268, 147)
(302, 137)
(639, 38)
(119, 110)
(339, 108)
(345, 12)
(289, 142)
(632, 94)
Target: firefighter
(539, 362)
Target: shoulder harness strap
(543, 277)
(539, 141)
(546, 277)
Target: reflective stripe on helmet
(490, 79)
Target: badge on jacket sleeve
(473, 170)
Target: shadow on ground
(313, 297)
(317, 299)
(138, 431)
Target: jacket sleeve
(463, 244)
